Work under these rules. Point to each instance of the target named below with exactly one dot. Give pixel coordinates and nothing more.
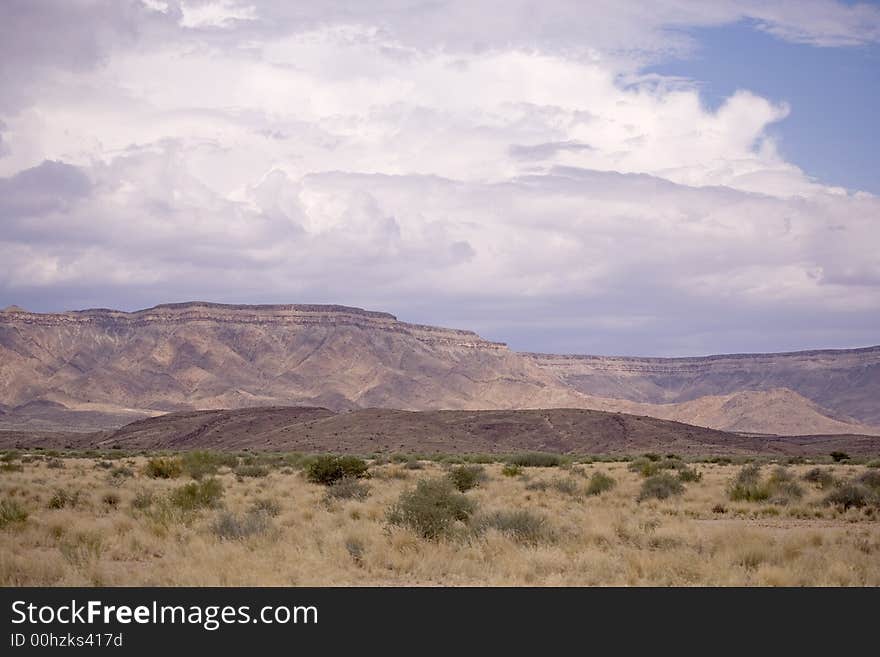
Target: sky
(660, 178)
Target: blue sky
(834, 95)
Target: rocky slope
(94, 369)
(378, 430)
(201, 355)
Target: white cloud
(396, 153)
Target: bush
(232, 527)
(671, 463)
(599, 483)
(432, 508)
(849, 495)
(328, 469)
(567, 486)
(465, 477)
(783, 487)
(747, 485)
(267, 506)
(143, 499)
(511, 470)
(116, 475)
(839, 456)
(414, 464)
(536, 460)
(197, 495)
(163, 468)
(11, 512)
(821, 478)
(200, 463)
(522, 525)
(11, 467)
(62, 498)
(347, 488)
(871, 480)
(873, 463)
(690, 475)
(660, 486)
(55, 464)
(253, 470)
(644, 466)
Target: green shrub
(432, 508)
(690, 475)
(197, 495)
(783, 487)
(839, 456)
(820, 477)
(231, 527)
(644, 466)
(599, 483)
(660, 486)
(200, 463)
(103, 465)
(414, 464)
(55, 464)
(347, 488)
(747, 485)
(11, 512)
(9, 456)
(465, 477)
(62, 499)
(873, 463)
(779, 488)
(327, 469)
(251, 470)
(159, 468)
(11, 467)
(536, 460)
(849, 495)
(511, 470)
(521, 525)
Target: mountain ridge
(103, 363)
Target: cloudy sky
(661, 178)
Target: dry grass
(698, 538)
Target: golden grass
(607, 539)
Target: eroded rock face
(99, 368)
(200, 355)
(845, 381)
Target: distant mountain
(843, 382)
(94, 369)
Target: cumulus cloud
(525, 180)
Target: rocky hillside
(200, 355)
(843, 382)
(379, 430)
(96, 369)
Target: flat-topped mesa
(655, 365)
(278, 314)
